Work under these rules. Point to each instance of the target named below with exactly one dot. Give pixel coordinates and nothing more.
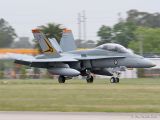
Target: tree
(23, 42)
(144, 19)
(124, 32)
(105, 34)
(150, 38)
(52, 30)
(7, 34)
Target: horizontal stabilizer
(31, 59)
(15, 56)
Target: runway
(77, 116)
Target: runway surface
(77, 116)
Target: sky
(24, 15)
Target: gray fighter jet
(67, 62)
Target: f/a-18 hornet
(67, 62)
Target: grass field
(130, 95)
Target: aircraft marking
(50, 49)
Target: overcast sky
(25, 15)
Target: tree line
(140, 30)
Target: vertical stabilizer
(46, 45)
(67, 42)
(55, 44)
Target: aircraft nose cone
(149, 63)
(152, 64)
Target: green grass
(130, 95)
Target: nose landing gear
(115, 78)
(116, 72)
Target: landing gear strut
(61, 79)
(89, 77)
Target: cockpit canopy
(114, 47)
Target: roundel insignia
(115, 62)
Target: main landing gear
(61, 79)
(89, 77)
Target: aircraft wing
(97, 57)
(60, 59)
(15, 56)
(32, 59)
(42, 63)
(29, 58)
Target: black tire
(61, 79)
(90, 79)
(113, 80)
(117, 80)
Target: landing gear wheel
(61, 79)
(112, 80)
(117, 80)
(89, 79)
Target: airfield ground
(130, 95)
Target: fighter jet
(68, 62)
